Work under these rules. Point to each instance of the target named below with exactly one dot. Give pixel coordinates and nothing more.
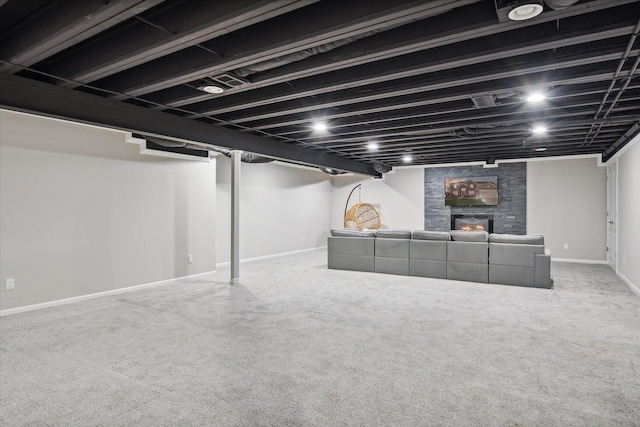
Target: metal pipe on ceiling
(624, 58)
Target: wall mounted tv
(471, 191)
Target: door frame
(612, 216)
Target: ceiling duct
(244, 157)
(198, 150)
(302, 54)
(483, 101)
(489, 130)
(228, 80)
(560, 4)
(168, 148)
(332, 171)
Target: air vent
(229, 80)
(484, 101)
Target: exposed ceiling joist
(446, 80)
(64, 24)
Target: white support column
(235, 216)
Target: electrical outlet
(190, 259)
(10, 283)
(566, 246)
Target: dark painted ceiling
(440, 81)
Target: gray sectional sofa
(474, 256)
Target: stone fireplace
(472, 222)
(510, 216)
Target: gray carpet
(297, 344)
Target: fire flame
(467, 227)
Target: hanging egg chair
(360, 215)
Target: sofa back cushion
(469, 236)
(393, 234)
(515, 239)
(431, 235)
(347, 232)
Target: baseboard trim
(580, 261)
(262, 258)
(631, 286)
(79, 298)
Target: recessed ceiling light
(541, 149)
(535, 97)
(211, 89)
(539, 129)
(525, 10)
(407, 158)
(372, 146)
(319, 127)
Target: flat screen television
(471, 191)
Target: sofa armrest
(542, 271)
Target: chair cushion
(347, 232)
(469, 236)
(393, 234)
(430, 235)
(527, 239)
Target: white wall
(566, 202)
(282, 209)
(565, 198)
(82, 211)
(629, 215)
(399, 198)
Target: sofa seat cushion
(393, 234)
(515, 239)
(428, 268)
(468, 272)
(347, 232)
(433, 250)
(468, 252)
(349, 253)
(392, 248)
(469, 236)
(392, 255)
(431, 235)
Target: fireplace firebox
(470, 222)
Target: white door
(612, 216)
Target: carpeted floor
(298, 344)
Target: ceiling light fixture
(319, 127)
(372, 146)
(540, 149)
(211, 89)
(536, 97)
(539, 129)
(407, 158)
(523, 10)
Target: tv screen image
(471, 191)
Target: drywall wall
(566, 202)
(629, 214)
(82, 212)
(398, 198)
(557, 191)
(282, 209)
